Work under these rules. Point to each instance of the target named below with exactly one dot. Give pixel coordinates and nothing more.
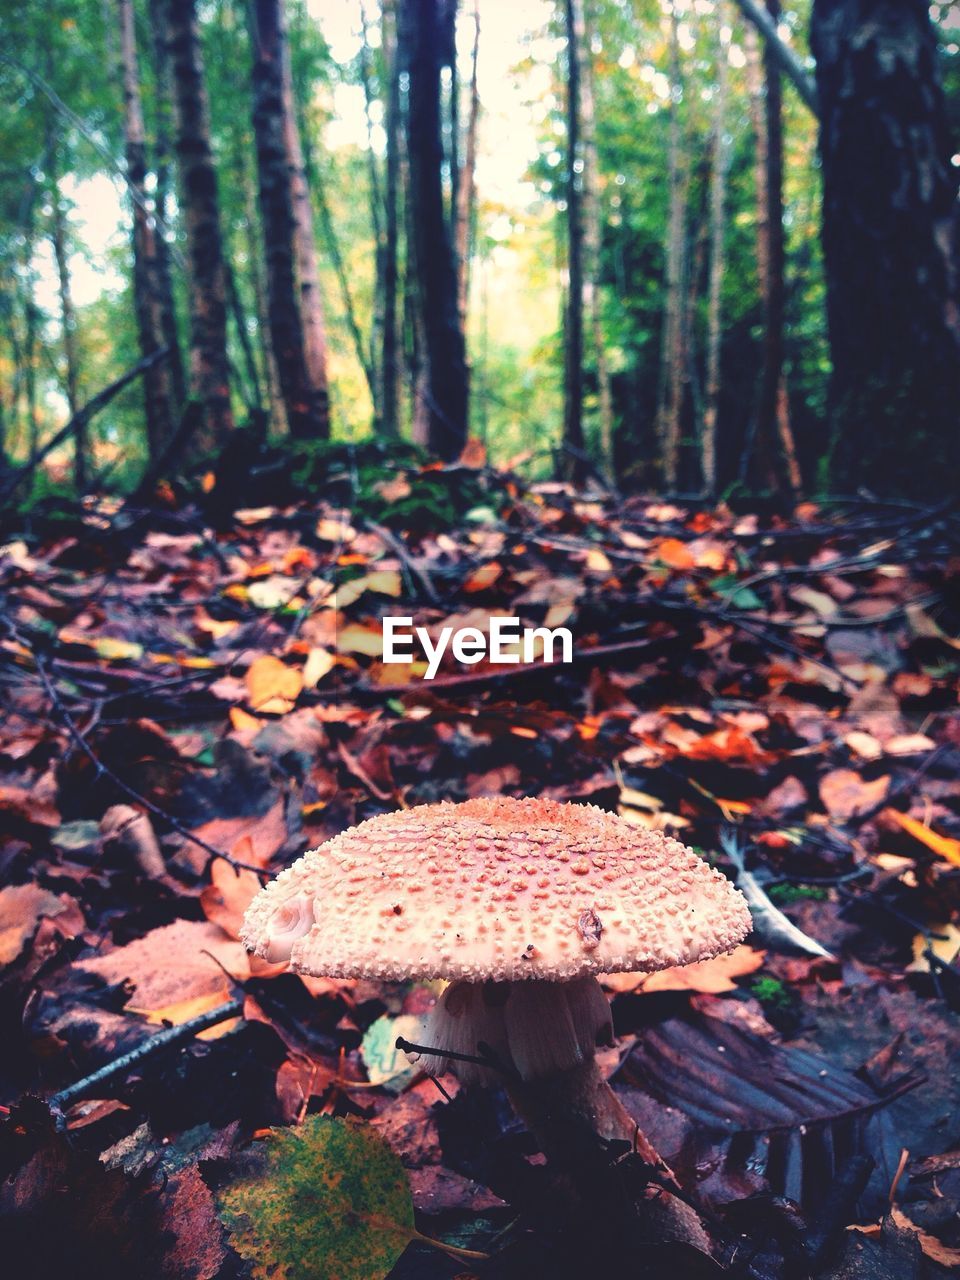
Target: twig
(104, 771)
(164, 1039)
(790, 64)
(413, 569)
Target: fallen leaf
(943, 846)
(327, 1201)
(22, 907)
(225, 900)
(931, 1246)
(272, 686)
(845, 794)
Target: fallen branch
(166, 1039)
(790, 64)
(80, 419)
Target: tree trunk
(162, 153)
(718, 216)
(592, 243)
(389, 356)
(446, 378)
(377, 214)
(209, 364)
(891, 242)
(157, 382)
(304, 241)
(306, 403)
(672, 350)
(574, 461)
(68, 319)
(467, 181)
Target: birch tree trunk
(718, 199)
(573, 462)
(672, 350)
(445, 364)
(158, 395)
(209, 364)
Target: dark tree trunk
(573, 465)
(306, 404)
(209, 365)
(891, 241)
(162, 164)
(446, 381)
(158, 396)
(389, 362)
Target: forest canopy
(657, 242)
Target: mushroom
(520, 904)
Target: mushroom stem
(567, 1112)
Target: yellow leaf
(272, 685)
(598, 561)
(236, 591)
(241, 719)
(360, 639)
(942, 846)
(184, 1010)
(319, 663)
(484, 577)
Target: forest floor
(190, 702)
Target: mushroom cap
(495, 889)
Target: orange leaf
(483, 577)
(942, 846)
(241, 719)
(227, 898)
(675, 554)
(272, 685)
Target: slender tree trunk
(574, 462)
(209, 364)
(389, 359)
(306, 403)
(593, 241)
(162, 164)
(718, 200)
(672, 351)
(377, 212)
(304, 242)
(157, 382)
(891, 241)
(467, 184)
(68, 319)
(444, 349)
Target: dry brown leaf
(22, 907)
(845, 794)
(177, 962)
(272, 686)
(262, 835)
(931, 1246)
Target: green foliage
(327, 1201)
(772, 994)
(784, 894)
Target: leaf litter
(190, 705)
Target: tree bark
(718, 218)
(162, 164)
(304, 242)
(574, 462)
(467, 181)
(306, 402)
(673, 355)
(891, 242)
(209, 364)
(389, 356)
(68, 319)
(446, 378)
(158, 397)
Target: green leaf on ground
(326, 1201)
